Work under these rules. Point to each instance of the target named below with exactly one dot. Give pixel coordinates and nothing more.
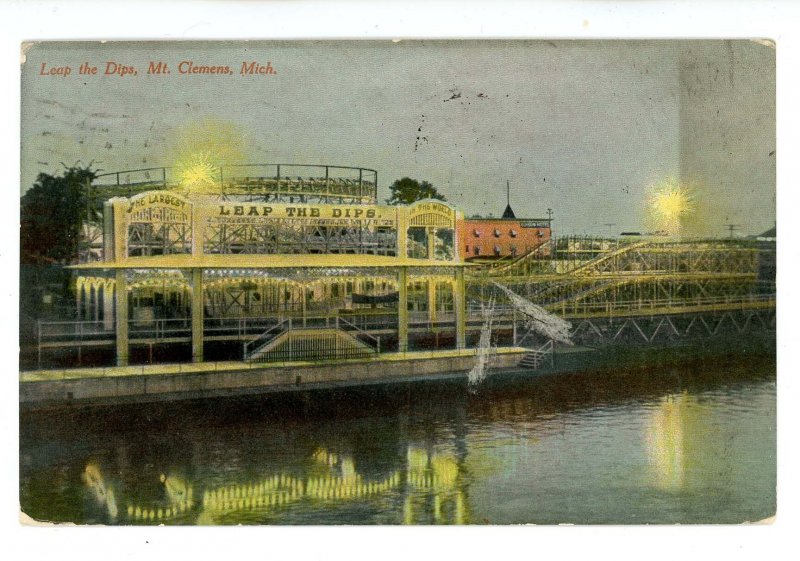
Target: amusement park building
(261, 248)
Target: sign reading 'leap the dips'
(295, 211)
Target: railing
(347, 327)
(295, 309)
(141, 177)
(476, 309)
(73, 331)
(64, 333)
(424, 323)
(313, 343)
(159, 329)
(673, 305)
(644, 306)
(535, 357)
(237, 327)
(252, 347)
(257, 179)
(369, 321)
(314, 351)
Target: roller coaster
(639, 289)
(298, 183)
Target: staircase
(536, 358)
(288, 343)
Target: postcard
(398, 282)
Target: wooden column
(431, 300)
(460, 308)
(303, 300)
(108, 306)
(96, 302)
(431, 238)
(121, 290)
(402, 310)
(87, 302)
(402, 231)
(108, 232)
(120, 225)
(197, 315)
(78, 299)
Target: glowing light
(670, 203)
(197, 174)
(201, 150)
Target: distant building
(495, 238)
(768, 236)
(767, 257)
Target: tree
(406, 191)
(51, 215)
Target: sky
(586, 128)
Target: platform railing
(74, 330)
(159, 328)
(239, 327)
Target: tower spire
(508, 213)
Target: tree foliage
(406, 191)
(51, 215)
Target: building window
(497, 250)
(476, 233)
(541, 234)
(467, 249)
(513, 233)
(477, 250)
(496, 233)
(513, 251)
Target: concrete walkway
(232, 365)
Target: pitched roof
(769, 233)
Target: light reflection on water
(636, 447)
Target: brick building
(494, 238)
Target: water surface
(683, 444)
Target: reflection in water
(103, 494)
(179, 501)
(685, 442)
(432, 477)
(632, 447)
(665, 437)
(436, 477)
(177, 489)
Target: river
(683, 444)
